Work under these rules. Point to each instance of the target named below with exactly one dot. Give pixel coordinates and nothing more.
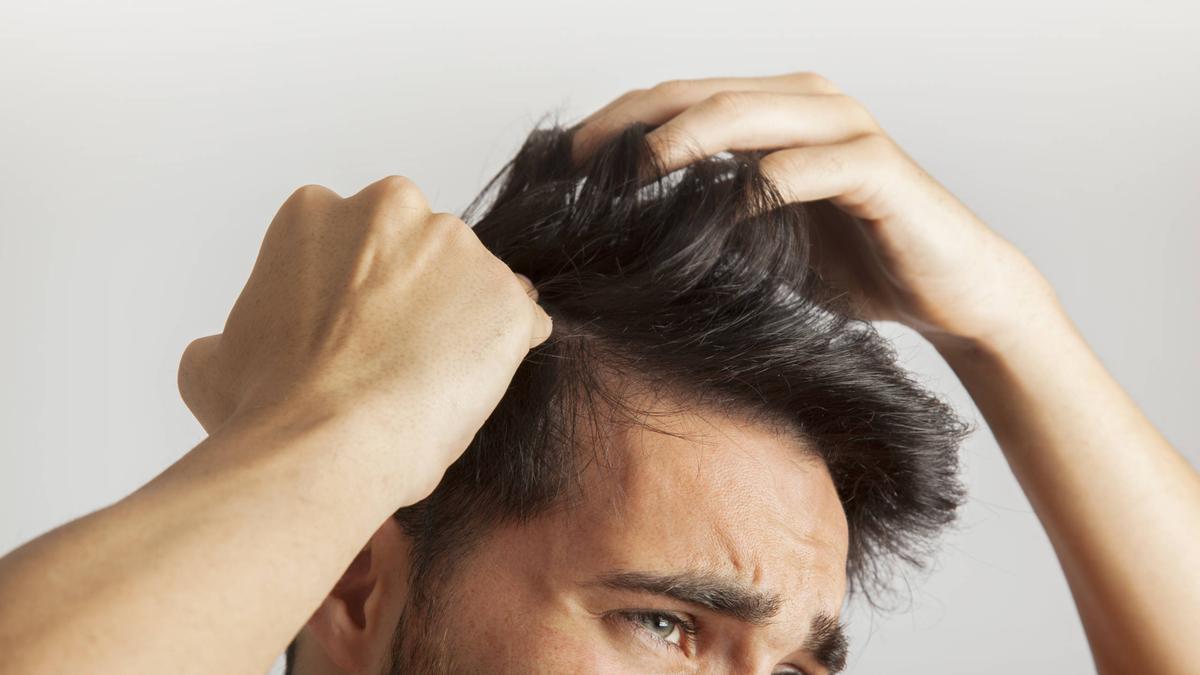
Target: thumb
(194, 364)
(542, 328)
(542, 324)
(197, 382)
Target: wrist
(326, 456)
(1039, 332)
(1016, 307)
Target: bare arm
(210, 568)
(369, 345)
(1121, 506)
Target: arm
(1120, 505)
(370, 343)
(212, 567)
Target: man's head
(687, 476)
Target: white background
(144, 147)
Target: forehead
(715, 488)
(710, 492)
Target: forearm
(210, 568)
(1120, 505)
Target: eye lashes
(686, 625)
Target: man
(375, 339)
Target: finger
(309, 198)
(540, 323)
(753, 120)
(397, 191)
(528, 285)
(543, 325)
(841, 172)
(665, 100)
(198, 354)
(197, 387)
(620, 100)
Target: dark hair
(698, 281)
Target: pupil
(662, 625)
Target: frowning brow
(827, 641)
(719, 594)
(826, 636)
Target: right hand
(375, 309)
(913, 252)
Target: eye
(665, 627)
(668, 628)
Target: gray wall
(143, 152)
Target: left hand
(915, 253)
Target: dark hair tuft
(699, 280)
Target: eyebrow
(827, 641)
(827, 635)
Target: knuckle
(818, 82)
(876, 144)
(877, 153)
(310, 194)
(777, 166)
(731, 102)
(447, 224)
(450, 237)
(855, 108)
(401, 188)
(671, 88)
(771, 163)
(388, 201)
(445, 218)
(396, 182)
(629, 95)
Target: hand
(376, 307)
(912, 252)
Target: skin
(214, 565)
(557, 595)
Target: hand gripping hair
(698, 282)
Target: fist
(373, 308)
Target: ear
(354, 624)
